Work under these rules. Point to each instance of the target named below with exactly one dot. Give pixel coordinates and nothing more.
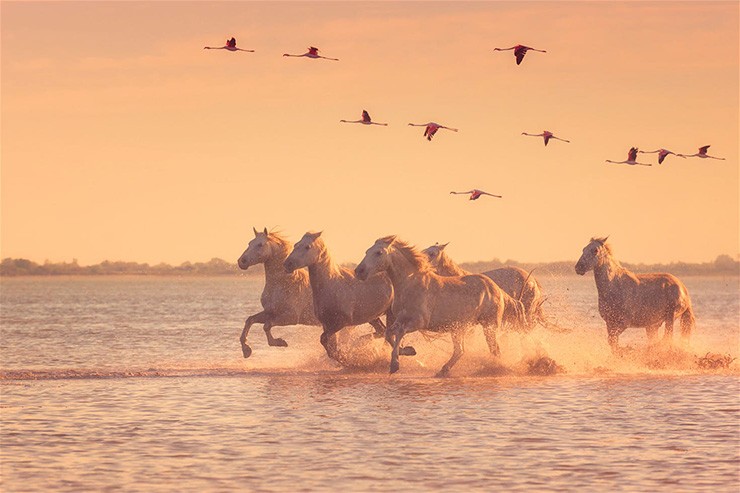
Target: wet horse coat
(514, 281)
(286, 298)
(424, 300)
(628, 300)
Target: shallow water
(139, 384)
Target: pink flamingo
(631, 156)
(662, 153)
(431, 129)
(475, 194)
(702, 154)
(230, 45)
(546, 135)
(519, 51)
(365, 120)
(313, 52)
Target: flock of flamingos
(426, 290)
(431, 128)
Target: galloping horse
(635, 300)
(286, 299)
(516, 283)
(424, 300)
(339, 298)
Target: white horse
(635, 300)
(286, 298)
(340, 299)
(424, 300)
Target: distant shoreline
(723, 265)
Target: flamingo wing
(365, 116)
(232, 43)
(519, 53)
(632, 154)
(313, 50)
(703, 150)
(547, 138)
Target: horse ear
(265, 231)
(442, 247)
(602, 240)
(313, 236)
(255, 230)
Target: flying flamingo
(662, 153)
(431, 129)
(519, 51)
(631, 156)
(230, 45)
(547, 136)
(365, 120)
(313, 52)
(475, 194)
(702, 154)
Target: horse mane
(446, 264)
(609, 252)
(281, 240)
(416, 258)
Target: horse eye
(378, 253)
(308, 247)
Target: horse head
(306, 252)
(434, 253)
(377, 258)
(258, 251)
(593, 255)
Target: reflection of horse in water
(340, 299)
(635, 300)
(424, 300)
(286, 299)
(516, 283)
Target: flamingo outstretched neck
(431, 128)
(702, 154)
(546, 135)
(631, 158)
(475, 194)
(519, 51)
(662, 154)
(366, 120)
(230, 46)
(312, 52)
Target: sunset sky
(122, 139)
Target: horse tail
(524, 285)
(688, 321)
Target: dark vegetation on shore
(723, 265)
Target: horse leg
(329, 341)
(457, 352)
(613, 337)
(379, 327)
(273, 341)
(652, 333)
(259, 318)
(687, 324)
(490, 332)
(398, 332)
(668, 334)
(403, 351)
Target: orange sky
(123, 139)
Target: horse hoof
(246, 351)
(279, 342)
(394, 367)
(407, 351)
